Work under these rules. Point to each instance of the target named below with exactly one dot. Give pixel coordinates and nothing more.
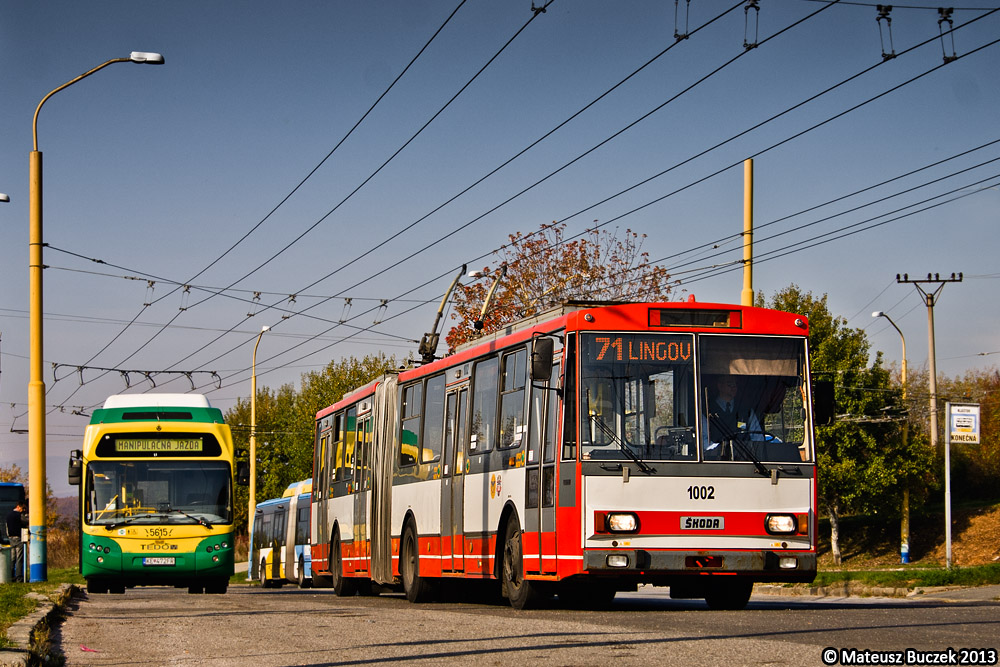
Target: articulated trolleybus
(156, 494)
(581, 452)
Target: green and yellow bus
(156, 494)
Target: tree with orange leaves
(544, 268)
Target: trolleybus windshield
(158, 491)
(639, 398)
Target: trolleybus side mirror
(541, 359)
(243, 473)
(824, 407)
(75, 467)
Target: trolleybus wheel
(217, 586)
(342, 586)
(729, 595)
(264, 581)
(522, 593)
(196, 589)
(97, 586)
(417, 588)
(302, 573)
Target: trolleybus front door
(540, 519)
(453, 487)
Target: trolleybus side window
(484, 405)
(433, 420)
(512, 383)
(409, 440)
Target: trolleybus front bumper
(649, 564)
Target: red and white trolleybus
(581, 452)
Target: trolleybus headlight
(215, 559)
(781, 524)
(92, 546)
(788, 563)
(225, 545)
(622, 522)
(107, 550)
(100, 559)
(209, 548)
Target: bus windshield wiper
(200, 520)
(626, 450)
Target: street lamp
(37, 548)
(253, 429)
(904, 526)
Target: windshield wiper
(200, 520)
(626, 450)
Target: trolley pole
(930, 298)
(746, 296)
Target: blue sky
(158, 171)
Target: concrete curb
(22, 632)
(856, 590)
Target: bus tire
(217, 586)
(522, 593)
(342, 586)
(302, 573)
(196, 589)
(97, 586)
(264, 581)
(418, 589)
(729, 594)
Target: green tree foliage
(285, 424)
(864, 460)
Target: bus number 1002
(701, 492)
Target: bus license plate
(158, 560)
(703, 523)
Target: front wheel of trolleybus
(522, 593)
(728, 594)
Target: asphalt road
(253, 626)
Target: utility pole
(930, 298)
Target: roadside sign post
(963, 426)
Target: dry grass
(871, 542)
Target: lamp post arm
(34, 123)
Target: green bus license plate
(161, 560)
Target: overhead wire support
(678, 35)
(755, 6)
(945, 14)
(884, 12)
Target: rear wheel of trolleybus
(417, 588)
(342, 586)
(522, 593)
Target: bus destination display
(145, 445)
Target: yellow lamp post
(904, 526)
(37, 548)
(253, 430)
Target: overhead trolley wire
(280, 203)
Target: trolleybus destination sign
(158, 445)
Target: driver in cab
(728, 417)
